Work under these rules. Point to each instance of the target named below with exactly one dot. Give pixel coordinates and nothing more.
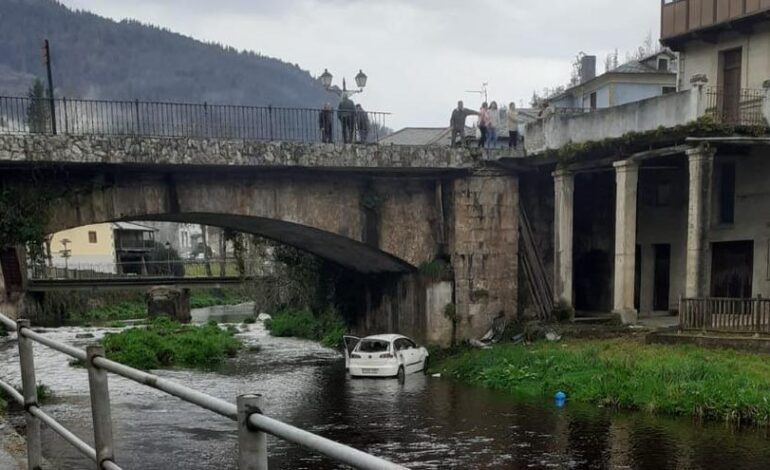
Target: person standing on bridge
(483, 124)
(325, 123)
(513, 126)
(457, 122)
(362, 123)
(346, 113)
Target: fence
(23, 115)
(741, 108)
(253, 424)
(214, 267)
(725, 314)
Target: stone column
(766, 103)
(701, 161)
(564, 187)
(627, 179)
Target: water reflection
(424, 423)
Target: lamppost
(66, 253)
(326, 81)
(168, 258)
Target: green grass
(328, 327)
(626, 374)
(127, 310)
(165, 343)
(201, 298)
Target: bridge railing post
(29, 391)
(252, 443)
(100, 407)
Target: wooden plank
(752, 6)
(722, 11)
(737, 8)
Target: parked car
(384, 356)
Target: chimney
(587, 68)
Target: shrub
(328, 327)
(563, 312)
(166, 343)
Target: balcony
(555, 130)
(681, 18)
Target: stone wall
(213, 152)
(484, 250)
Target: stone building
(639, 205)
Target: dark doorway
(730, 71)
(662, 278)
(732, 269)
(638, 278)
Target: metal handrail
(251, 424)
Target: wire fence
(25, 115)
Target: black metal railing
(24, 115)
(740, 108)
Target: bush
(328, 327)
(166, 343)
(563, 312)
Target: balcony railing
(134, 244)
(680, 17)
(725, 314)
(23, 115)
(741, 108)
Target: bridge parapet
(129, 150)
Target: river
(425, 423)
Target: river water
(425, 423)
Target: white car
(384, 356)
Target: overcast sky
(420, 55)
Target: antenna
(482, 92)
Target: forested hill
(96, 57)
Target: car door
(412, 356)
(349, 343)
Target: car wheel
(401, 375)
(426, 365)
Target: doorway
(731, 62)
(661, 290)
(732, 269)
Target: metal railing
(24, 115)
(248, 412)
(742, 108)
(751, 315)
(189, 269)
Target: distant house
(106, 248)
(633, 81)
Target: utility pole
(47, 62)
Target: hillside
(96, 57)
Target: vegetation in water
(166, 343)
(202, 298)
(626, 374)
(328, 327)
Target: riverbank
(625, 374)
(328, 327)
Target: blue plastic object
(560, 399)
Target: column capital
(562, 173)
(626, 165)
(702, 151)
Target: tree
(611, 61)
(646, 49)
(577, 69)
(38, 111)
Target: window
(663, 65)
(727, 193)
(373, 346)
(669, 89)
(593, 100)
(91, 237)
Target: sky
(421, 56)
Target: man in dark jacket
(325, 123)
(457, 122)
(362, 123)
(346, 112)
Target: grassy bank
(328, 327)
(626, 374)
(165, 343)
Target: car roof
(389, 337)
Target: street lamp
(326, 81)
(168, 257)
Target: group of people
(492, 122)
(352, 118)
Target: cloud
(420, 55)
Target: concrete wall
(703, 57)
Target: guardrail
(749, 315)
(24, 115)
(248, 412)
(189, 269)
(742, 107)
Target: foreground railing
(743, 107)
(248, 412)
(24, 115)
(725, 314)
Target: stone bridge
(382, 212)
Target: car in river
(384, 356)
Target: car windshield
(373, 346)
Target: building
(660, 205)
(116, 248)
(636, 80)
